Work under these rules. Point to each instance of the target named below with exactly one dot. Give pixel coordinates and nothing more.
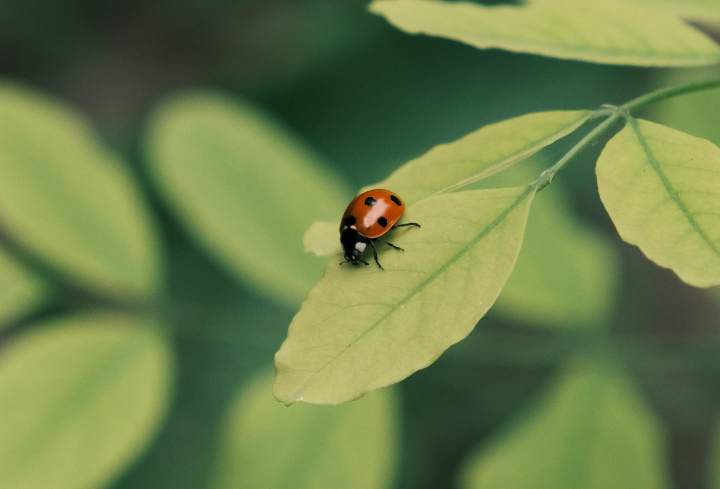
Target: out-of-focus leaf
(605, 31)
(365, 328)
(474, 157)
(592, 430)
(686, 9)
(20, 291)
(68, 200)
(661, 188)
(245, 187)
(566, 274)
(80, 397)
(480, 154)
(265, 445)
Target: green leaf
(20, 291)
(80, 397)
(591, 430)
(661, 188)
(265, 445)
(610, 32)
(448, 167)
(365, 328)
(696, 10)
(480, 154)
(566, 274)
(244, 187)
(70, 201)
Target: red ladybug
(369, 216)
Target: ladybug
(369, 216)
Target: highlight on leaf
(361, 329)
(661, 187)
(631, 34)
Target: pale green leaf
(362, 328)
(612, 32)
(245, 187)
(480, 154)
(566, 274)
(20, 290)
(323, 238)
(698, 10)
(80, 397)
(591, 430)
(472, 158)
(265, 445)
(70, 201)
(661, 188)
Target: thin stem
(547, 176)
(666, 93)
(616, 113)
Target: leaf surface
(80, 397)
(20, 290)
(480, 154)
(606, 31)
(592, 429)
(661, 188)
(245, 187)
(365, 328)
(71, 202)
(447, 167)
(265, 445)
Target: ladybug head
(353, 243)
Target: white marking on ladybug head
(360, 246)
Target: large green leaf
(20, 290)
(480, 154)
(566, 274)
(606, 31)
(245, 188)
(80, 397)
(365, 328)
(265, 445)
(69, 200)
(661, 188)
(592, 430)
(448, 167)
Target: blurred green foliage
(143, 285)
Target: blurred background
(367, 98)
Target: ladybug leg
(389, 243)
(375, 255)
(406, 224)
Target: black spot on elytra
(382, 221)
(370, 201)
(349, 221)
(395, 199)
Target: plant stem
(617, 113)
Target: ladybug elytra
(369, 216)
